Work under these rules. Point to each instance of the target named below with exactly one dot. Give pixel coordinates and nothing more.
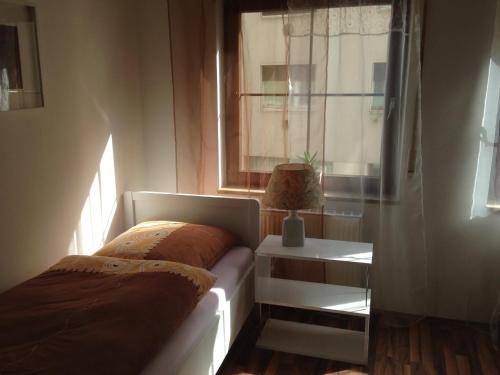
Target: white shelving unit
(308, 339)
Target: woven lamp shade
(293, 186)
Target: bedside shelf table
(309, 339)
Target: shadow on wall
(99, 209)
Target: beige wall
(49, 156)
(157, 95)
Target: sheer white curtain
(354, 102)
(402, 262)
(335, 84)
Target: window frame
(342, 185)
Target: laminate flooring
(399, 344)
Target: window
(275, 86)
(379, 69)
(486, 194)
(271, 85)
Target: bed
(202, 341)
(87, 313)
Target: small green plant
(308, 158)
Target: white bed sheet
(229, 271)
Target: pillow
(193, 244)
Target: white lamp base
(293, 230)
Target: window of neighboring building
(379, 71)
(275, 86)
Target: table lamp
(293, 187)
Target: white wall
(156, 78)
(49, 156)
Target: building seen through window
(322, 93)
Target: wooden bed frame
(239, 215)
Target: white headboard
(239, 215)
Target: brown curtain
(193, 51)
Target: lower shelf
(314, 341)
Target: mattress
(229, 271)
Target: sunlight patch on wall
(99, 208)
(486, 193)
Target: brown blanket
(95, 315)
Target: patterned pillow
(193, 244)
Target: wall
(464, 254)
(157, 98)
(49, 156)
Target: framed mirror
(20, 80)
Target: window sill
(493, 206)
(240, 191)
(257, 193)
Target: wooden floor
(398, 345)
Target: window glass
(379, 71)
(312, 82)
(274, 83)
(278, 80)
(353, 112)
